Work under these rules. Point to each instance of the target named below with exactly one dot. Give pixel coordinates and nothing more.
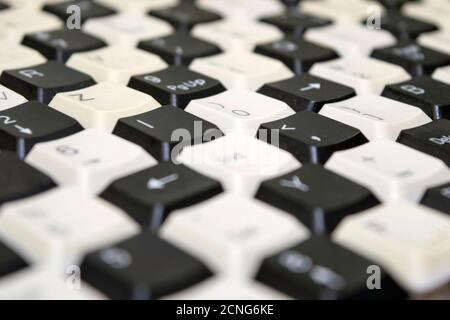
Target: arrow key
(30, 123)
(150, 195)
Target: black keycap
(296, 23)
(19, 180)
(179, 48)
(432, 138)
(176, 86)
(405, 28)
(438, 198)
(297, 54)
(59, 45)
(10, 262)
(142, 268)
(44, 81)
(321, 269)
(307, 92)
(395, 4)
(319, 198)
(150, 195)
(185, 16)
(415, 59)
(3, 6)
(430, 95)
(30, 123)
(311, 137)
(88, 9)
(154, 131)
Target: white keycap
(224, 288)
(434, 11)
(115, 63)
(338, 10)
(240, 162)
(377, 117)
(437, 40)
(243, 9)
(90, 159)
(239, 110)
(442, 74)
(9, 98)
(365, 75)
(138, 6)
(411, 242)
(101, 105)
(351, 38)
(19, 22)
(233, 234)
(391, 170)
(237, 36)
(127, 29)
(60, 226)
(239, 70)
(17, 56)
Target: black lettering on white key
(176, 86)
(44, 81)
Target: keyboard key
(238, 161)
(137, 6)
(411, 242)
(438, 198)
(142, 268)
(9, 98)
(395, 4)
(240, 70)
(179, 48)
(307, 92)
(42, 82)
(185, 15)
(59, 45)
(423, 92)
(365, 75)
(61, 226)
(91, 159)
(243, 10)
(296, 23)
(239, 110)
(163, 132)
(233, 234)
(17, 56)
(415, 59)
(321, 269)
(405, 28)
(298, 55)
(22, 180)
(432, 11)
(176, 85)
(432, 138)
(392, 171)
(88, 10)
(350, 39)
(319, 198)
(149, 196)
(18, 22)
(377, 117)
(127, 29)
(438, 41)
(230, 35)
(23, 126)
(341, 11)
(116, 63)
(10, 262)
(442, 74)
(311, 137)
(102, 105)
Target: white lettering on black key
(319, 198)
(89, 9)
(311, 137)
(142, 268)
(30, 123)
(176, 86)
(44, 81)
(150, 195)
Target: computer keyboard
(225, 149)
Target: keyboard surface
(224, 149)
